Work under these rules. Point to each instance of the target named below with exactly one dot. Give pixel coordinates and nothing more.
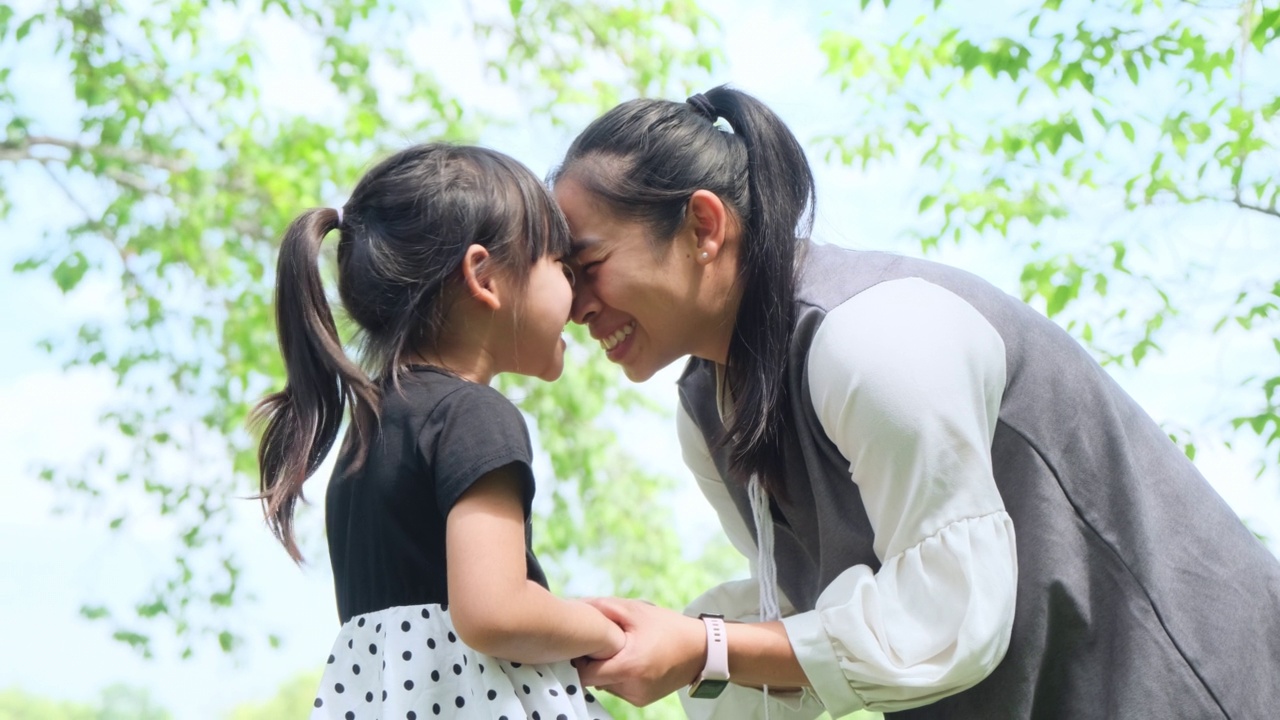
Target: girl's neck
(474, 364)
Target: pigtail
(302, 421)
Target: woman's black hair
(403, 234)
(645, 158)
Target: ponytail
(781, 187)
(302, 421)
(645, 158)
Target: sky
(52, 562)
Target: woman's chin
(638, 372)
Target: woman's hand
(664, 651)
(615, 638)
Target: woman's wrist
(695, 653)
(761, 654)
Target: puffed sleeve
(906, 379)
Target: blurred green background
(1112, 162)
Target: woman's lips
(616, 344)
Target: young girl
(450, 263)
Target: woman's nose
(585, 303)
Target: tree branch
(128, 276)
(23, 147)
(120, 176)
(1256, 208)
(74, 200)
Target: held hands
(663, 651)
(615, 641)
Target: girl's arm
(496, 609)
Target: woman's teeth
(612, 341)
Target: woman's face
(642, 305)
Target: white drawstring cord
(766, 566)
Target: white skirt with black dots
(407, 663)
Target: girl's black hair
(645, 158)
(402, 237)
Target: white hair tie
(339, 216)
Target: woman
(965, 516)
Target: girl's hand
(617, 640)
(663, 652)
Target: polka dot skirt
(407, 663)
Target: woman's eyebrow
(577, 245)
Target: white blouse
(906, 379)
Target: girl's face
(641, 305)
(541, 314)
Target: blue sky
(52, 563)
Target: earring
(703, 256)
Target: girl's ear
(709, 221)
(480, 276)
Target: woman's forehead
(579, 245)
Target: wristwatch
(715, 674)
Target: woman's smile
(618, 340)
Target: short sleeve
(473, 431)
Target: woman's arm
(666, 650)
(907, 380)
(495, 607)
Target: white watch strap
(717, 667)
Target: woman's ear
(480, 276)
(709, 221)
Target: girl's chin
(553, 373)
(555, 367)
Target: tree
(1083, 134)
(18, 705)
(180, 172)
(293, 701)
(118, 702)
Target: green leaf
(68, 273)
(94, 612)
(25, 28)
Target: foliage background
(1111, 161)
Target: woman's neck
(724, 296)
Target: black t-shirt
(386, 520)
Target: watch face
(707, 689)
